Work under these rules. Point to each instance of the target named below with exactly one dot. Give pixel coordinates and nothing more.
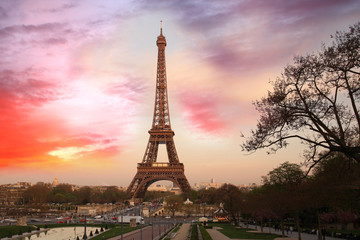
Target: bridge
(158, 212)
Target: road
(147, 233)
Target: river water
(66, 233)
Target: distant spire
(160, 27)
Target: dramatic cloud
(77, 79)
(202, 112)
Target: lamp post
(140, 231)
(159, 228)
(122, 237)
(85, 237)
(152, 229)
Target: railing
(160, 164)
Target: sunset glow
(77, 82)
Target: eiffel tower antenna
(149, 170)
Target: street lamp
(152, 229)
(122, 237)
(85, 237)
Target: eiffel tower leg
(132, 189)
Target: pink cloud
(129, 87)
(31, 130)
(11, 31)
(201, 112)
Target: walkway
(216, 235)
(183, 232)
(294, 234)
(146, 233)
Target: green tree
(192, 195)
(232, 198)
(39, 193)
(285, 183)
(316, 100)
(333, 188)
(287, 174)
(173, 204)
(208, 196)
(84, 195)
(63, 193)
(113, 194)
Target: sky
(77, 83)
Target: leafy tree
(287, 174)
(63, 193)
(208, 196)
(113, 194)
(192, 195)
(333, 189)
(188, 209)
(232, 198)
(315, 100)
(84, 195)
(173, 204)
(155, 195)
(38, 193)
(63, 188)
(285, 184)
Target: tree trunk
(319, 226)
(261, 225)
(282, 228)
(298, 225)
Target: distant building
(207, 185)
(55, 182)
(248, 187)
(176, 190)
(96, 209)
(12, 194)
(160, 188)
(188, 202)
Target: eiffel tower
(149, 170)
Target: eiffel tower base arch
(146, 176)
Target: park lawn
(194, 232)
(204, 233)
(116, 231)
(8, 231)
(242, 233)
(177, 228)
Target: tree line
(330, 195)
(41, 193)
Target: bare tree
(315, 100)
(173, 204)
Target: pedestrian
(291, 229)
(323, 232)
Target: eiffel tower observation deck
(149, 170)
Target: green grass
(194, 232)
(241, 233)
(177, 228)
(115, 231)
(8, 231)
(342, 233)
(204, 233)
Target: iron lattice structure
(149, 170)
